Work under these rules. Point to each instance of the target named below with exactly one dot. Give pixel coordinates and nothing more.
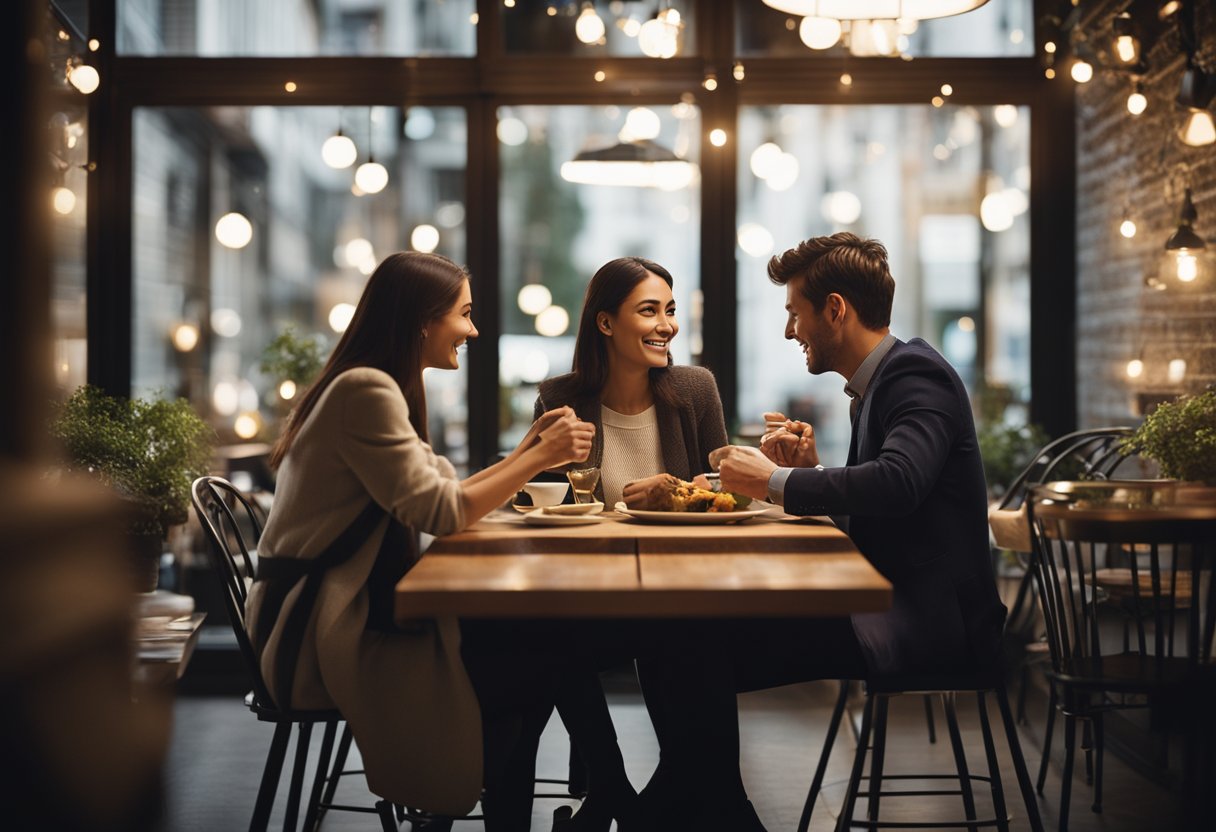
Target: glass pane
(662, 29)
(944, 189)
(242, 229)
(69, 148)
(999, 28)
(217, 28)
(555, 234)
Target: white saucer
(572, 509)
(538, 518)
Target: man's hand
(650, 494)
(743, 470)
(789, 443)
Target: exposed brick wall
(1136, 163)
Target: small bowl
(546, 493)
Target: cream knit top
(631, 450)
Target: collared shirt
(855, 388)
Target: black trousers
(693, 701)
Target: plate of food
(695, 505)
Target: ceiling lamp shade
(636, 164)
(875, 9)
(1184, 245)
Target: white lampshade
(819, 32)
(875, 9)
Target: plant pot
(146, 550)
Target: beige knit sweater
(407, 698)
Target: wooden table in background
(620, 568)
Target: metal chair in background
(232, 522)
(1094, 454)
(1168, 601)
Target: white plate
(694, 517)
(571, 509)
(540, 518)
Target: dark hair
(843, 263)
(605, 293)
(407, 291)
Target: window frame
(493, 78)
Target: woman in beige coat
(357, 481)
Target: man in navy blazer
(913, 500)
(912, 488)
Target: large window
(296, 27)
(555, 233)
(250, 221)
(946, 191)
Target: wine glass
(583, 482)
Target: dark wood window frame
(492, 79)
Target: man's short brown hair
(845, 264)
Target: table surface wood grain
(621, 568)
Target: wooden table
(621, 568)
(164, 646)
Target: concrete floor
(219, 749)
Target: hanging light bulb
(1135, 368)
(338, 151)
(1127, 228)
(1137, 103)
(233, 230)
(1127, 45)
(371, 177)
(819, 32)
(1198, 130)
(534, 298)
(659, 37)
(1195, 94)
(589, 27)
(1184, 246)
(84, 78)
(63, 200)
(1082, 71)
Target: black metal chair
(232, 520)
(228, 517)
(1168, 600)
(872, 738)
(1096, 454)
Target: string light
(1137, 103)
(1082, 71)
(717, 137)
(589, 27)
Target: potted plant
(148, 450)
(1180, 436)
(293, 358)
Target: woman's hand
(564, 439)
(545, 421)
(651, 493)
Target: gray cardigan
(687, 432)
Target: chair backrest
(224, 512)
(1097, 452)
(1162, 591)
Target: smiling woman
(624, 381)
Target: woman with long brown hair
(654, 422)
(357, 482)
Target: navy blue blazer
(914, 492)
